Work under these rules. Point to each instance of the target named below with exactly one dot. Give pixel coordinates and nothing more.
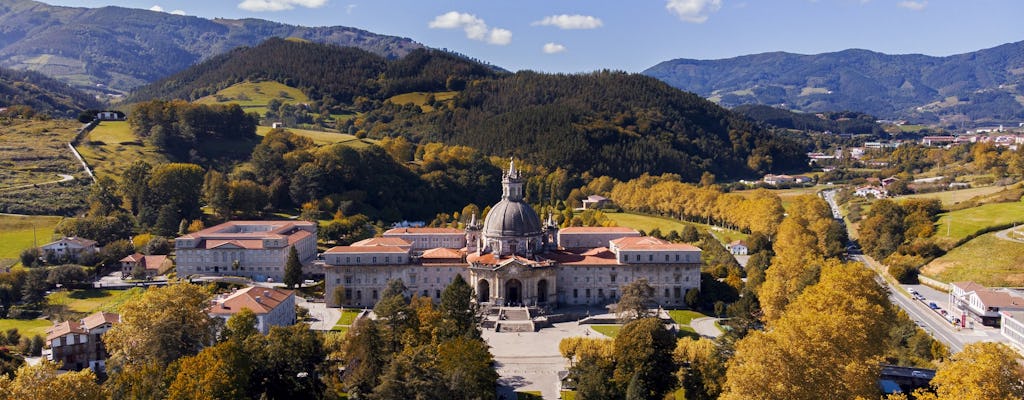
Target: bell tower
(512, 183)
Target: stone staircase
(514, 320)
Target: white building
(273, 307)
(429, 238)
(1012, 327)
(737, 247)
(70, 247)
(514, 258)
(252, 249)
(984, 304)
(874, 191)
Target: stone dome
(511, 219)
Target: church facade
(513, 258)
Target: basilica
(513, 258)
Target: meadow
(986, 259)
(648, 223)
(322, 138)
(951, 197)
(420, 99)
(254, 96)
(954, 226)
(111, 147)
(18, 233)
(89, 301)
(33, 156)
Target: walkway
(63, 178)
(531, 361)
(1005, 234)
(706, 327)
(324, 317)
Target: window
(348, 294)
(359, 294)
(677, 292)
(666, 257)
(588, 292)
(348, 279)
(666, 293)
(575, 293)
(387, 260)
(374, 260)
(337, 281)
(437, 293)
(650, 257)
(399, 260)
(600, 292)
(425, 293)
(358, 260)
(375, 294)
(638, 257)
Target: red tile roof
(137, 257)
(383, 241)
(492, 259)
(596, 256)
(991, 298)
(441, 253)
(64, 328)
(260, 300)
(647, 243)
(100, 318)
(421, 231)
(968, 286)
(251, 244)
(366, 249)
(597, 229)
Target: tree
(218, 372)
(365, 353)
(31, 256)
(339, 297)
(248, 198)
(134, 188)
(158, 245)
(635, 300)
(292, 269)
(42, 381)
(467, 368)
(65, 274)
(689, 234)
(216, 193)
(285, 364)
(983, 370)
(458, 308)
(34, 289)
(240, 326)
(702, 368)
(164, 325)
(643, 349)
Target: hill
(42, 93)
(836, 122)
(603, 123)
(115, 49)
(986, 86)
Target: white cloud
(178, 12)
(279, 5)
(156, 8)
(553, 48)
(349, 8)
(566, 21)
(914, 5)
(695, 11)
(474, 27)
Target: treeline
(900, 235)
(180, 128)
(835, 122)
(615, 124)
(42, 94)
(332, 75)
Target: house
(865, 191)
(778, 179)
(71, 248)
(1012, 327)
(254, 249)
(78, 344)
(153, 264)
(273, 307)
(737, 247)
(938, 140)
(595, 202)
(110, 116)
(890, 180)
(983, 303)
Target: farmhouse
(983, 303)
(737, 247)
(71, 248)
(513, 258)
(875, 191)
(153, 265)
(79, 344)
(596, 202)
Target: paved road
(324, 317)
(531, 361)
(706, 327)
(1005, 235)
(63, 178)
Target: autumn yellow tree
(42, 382)
(826, 345)
(981, 371)
(219, 372)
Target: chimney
(266, 293)
(259, 299)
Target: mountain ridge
(985, 86)
(113, 49)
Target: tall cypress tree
(292, 269)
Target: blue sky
(585, 35)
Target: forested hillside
(981, 86)
(42, 94)
(121, 48)
(603, 123)
(835, 122)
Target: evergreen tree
(292, 269)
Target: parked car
(933, 306)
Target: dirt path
(1005, 235)
(63, 178)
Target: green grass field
(956, 225)
(254, 96)
(951, 197)
(607, 330)
(647, 223)
(111, 147)
(683, 317)
(26, 327)
(93, 300)
(986, 259)
(348, 317)
(529, 395)
(16, 234)
(322, 138)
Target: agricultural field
(322, 138)
(420, 99)
(949, 198)
(986, 259)
(36, 163)
(647, 223)
(18, 233)
(254, 96)
(955, 225)
(111, 147)
(26, 327)
(93, 300)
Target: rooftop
(100, 318)
(383, 241)
(598, 229)
(422, 231)
(64, 328)
(259, 300)
(366, 249)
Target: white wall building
(273, 307)
(70, 247)
(252, 249)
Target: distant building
(428, 238)
(273, 307)
(874, 191)
(154, 264)
(737, 247)
(110, 116)
(776, 180)
(1012, 327)
(890, 180)
(71, 247)
(596, 202)
(79, 344)
(938, 140)
(984, 304)
(252, 249)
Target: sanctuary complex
(513, 259)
